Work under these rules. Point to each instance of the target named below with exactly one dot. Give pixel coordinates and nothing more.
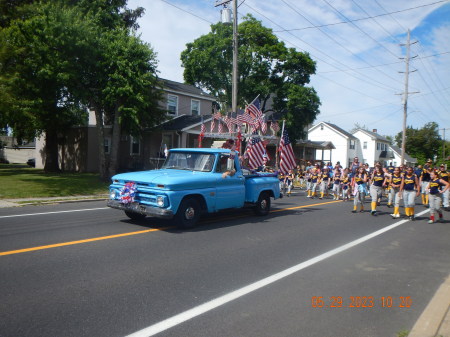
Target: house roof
(336, 128)
(183, 122)
(398, 150)
(374, 135)
(185, 88)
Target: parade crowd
(360, 182)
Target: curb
(435, 319)
(45, 201)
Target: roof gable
(373, 135)
(336, 128)
(185, 88)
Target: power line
(361, 19)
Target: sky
(359, 50)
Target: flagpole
(279, 143)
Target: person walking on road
(411, 189)
(359, 183)
(378, 180)
(395, 184)
(337, 184)
(443, 174)
(323, 180)
(437, 187)
(424, 181)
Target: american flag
(256, 152)
(254, 109)
(263, 124)
(287, 157)
(230, 121)
(213, 125)
(202, 134)
(220, 127)
(246, 118)
(275, 127)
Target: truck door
(230, 191)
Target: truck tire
(262, 206)
(188, 213)
(134, 216)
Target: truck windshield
(189, 161)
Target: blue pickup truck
(192, 181)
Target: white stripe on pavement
(208, 306)
(74, 210)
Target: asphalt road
(81, 269)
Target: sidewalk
(435, 319)
(51, 200)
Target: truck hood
(171, 179)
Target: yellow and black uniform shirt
(409, 182)
(378, 179)
(359, 179)
(396, 180)
(325, 177)
(345, 179)
(435, 186)
(337, 178)
(314, 177)
(281, 177)
(425, 176)
(390, 169)
(443, 175)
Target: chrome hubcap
(263, 204)
(189, 214)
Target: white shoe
(395, 216)
(430, 221)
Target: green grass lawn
(18, 181)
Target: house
(374, 147)
(345, 144)
(397, 152)
(186, 106)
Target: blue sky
(358, 67)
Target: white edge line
(205, 307)
(74, 210)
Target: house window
(135, 145)
(352, 144)
(195, 107)
(378, 146)
(365, 145)
(172, 104)
(107, 145)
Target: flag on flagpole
(220, 127)
(275, 127)
(287, 157)
(202, 134)
(253, 109)
(256, 152)
(263, 124)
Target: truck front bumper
(142, 209)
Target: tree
(64, 56)
(266, 68)
(37, 59)
(421, 143)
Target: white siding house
(374, 147)
(346, 145)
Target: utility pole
(443, 143)
(234, 83)
(405, 95)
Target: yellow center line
(18, 251)
(80, 241)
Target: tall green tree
(38, 58)
(266, 68)
(422, 143)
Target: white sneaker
(430, 221)
(395, 216)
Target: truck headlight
(112, 194)
(160, 201)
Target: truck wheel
(134, 216)
(188, 213)
(262, 206)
